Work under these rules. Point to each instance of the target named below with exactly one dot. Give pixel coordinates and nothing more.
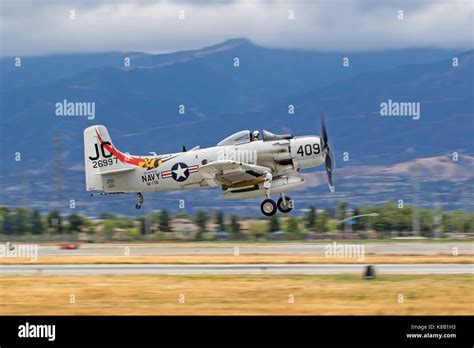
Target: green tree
(426, 222)
(164, 221)
(75, 222)
(111, 226)
(321, 222)
(469, 223)
(142, 221)
(153, 218)
(234, 226)
(36, 223)
(357, 226)
(106, 216)
(341, 214)
(292, 225)
(310, 218)
(55, 221)
(366, 222)
(331, 212)
(457, 221)
(258, 229)
(220, 220)
(3, 212)
(9, 222)
(388, 218)
(274, 224)
(22, 218)
(201, 221)
(404, 219)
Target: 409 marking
(308, 150)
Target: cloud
(37, 28)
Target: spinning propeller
(328, 158)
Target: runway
(395, 248)
(124, 269)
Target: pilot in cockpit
(255, 135)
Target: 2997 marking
(104, 162)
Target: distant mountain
(304, 67)
(446, 123)
(428, 168)
(429, 182)
(434, 167)
(139, 104)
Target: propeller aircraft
(242, 165)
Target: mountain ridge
(139, 105)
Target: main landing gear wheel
(268, 207)
(285, 205)
(140, 201)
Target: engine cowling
(306, 152)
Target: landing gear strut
(285, 204)
(139, 200)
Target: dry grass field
(237, 295)
(231, 259)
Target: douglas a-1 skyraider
(242, 165)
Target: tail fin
(101, 157)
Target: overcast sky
(35, 27)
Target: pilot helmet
(255, 134)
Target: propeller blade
(329, 162)
(323, 131)
(328, 158)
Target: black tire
(268, 207)
(282, 207)
(138, 206)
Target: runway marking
(394, 248)
(235, 269)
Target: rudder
(100, 157)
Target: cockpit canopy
(241, 137)
(244, 136)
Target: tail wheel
(285, 205)
(268, 207)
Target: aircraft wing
(227, 173)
